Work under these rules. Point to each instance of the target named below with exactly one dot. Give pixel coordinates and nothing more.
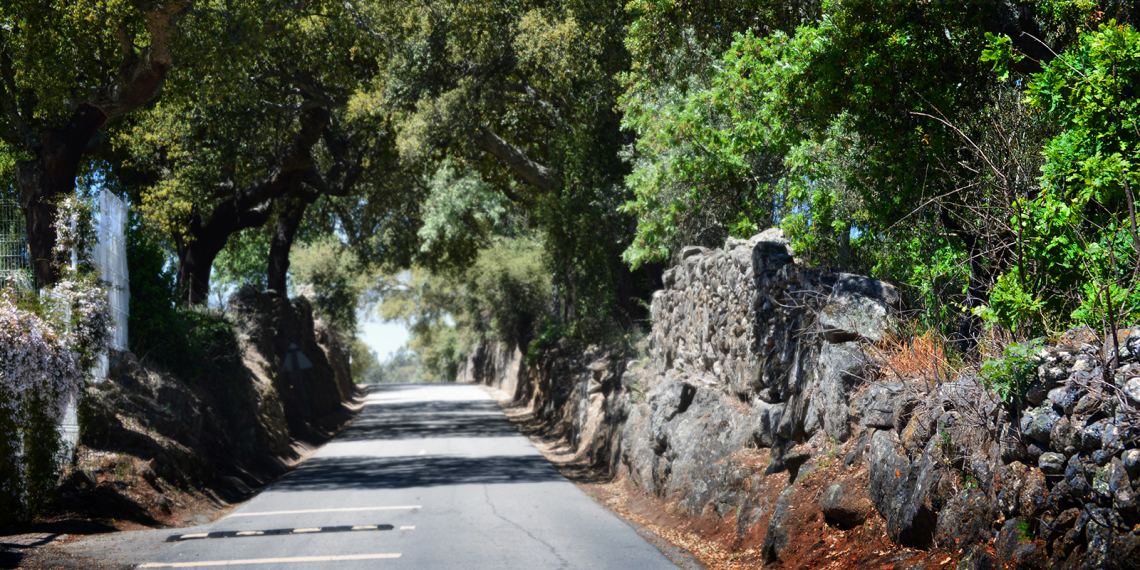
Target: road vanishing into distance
(428, 477)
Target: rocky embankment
(162, 447)
(768, 403)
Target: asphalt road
(427, 477)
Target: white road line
(195, 535)
(322, 511)
(304, 530)
(407, 528)
(365, 527)
(340, 558)
(423, 452)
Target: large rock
(847, 503)
(1015, 546)
(779, 526)
(875, 408)
(841, 368)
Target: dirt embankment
(164, 448)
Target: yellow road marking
(250, 533)
(304, 530)
(365, 527)
(407, 528)
(196, 535)
(340, 558)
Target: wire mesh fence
(15, 261)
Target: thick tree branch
(17, 131)
(140, 78)
(525, 89)
(530, 171)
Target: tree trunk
(287, 225)
(843, 256)
(196, 256)
(52, 175)
(977, 293)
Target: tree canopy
(517, 168)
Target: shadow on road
(400, 418)
(415, 420)
(340, 473)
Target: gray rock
(977, 558)
(1036, 393)
(1100, 532)
(1037, 423)
(1012, 448)
(1131, 461)
(1132, 389)
(1052, 463)
(847, 503)
(964, 520)
(888, 464)
(841, 368)
(860, 448)
(1065, 438)
(779, 527)
(1101, 482)
(765, 421)
(1010, 480)
(1015, 549)
(1066, 397)
(694, 251)
(876, 407)
(1077, 477)
(1086, 406)
(918, 431)
(1092, 434)
(1123, 496)
(854, 317)
(1033, 500)
(1033, 451)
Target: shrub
(40, 374)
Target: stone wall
(758, 365)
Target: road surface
(428, 477)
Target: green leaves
(999, 51)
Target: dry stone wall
(752, 352)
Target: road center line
(339, 558)
(357, 509)
(275, 532)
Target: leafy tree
(521, 97)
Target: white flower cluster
(82, 312)
(75, 228)
(34, 360)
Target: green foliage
(190, 341)
(244, 261)
(999, 50)
(340, 285)
(402, 367)
(549, 332)
(364, 361)
(11, 507)
(1027, 530)
(505, 294)
(42, 455)
(1009, 377)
